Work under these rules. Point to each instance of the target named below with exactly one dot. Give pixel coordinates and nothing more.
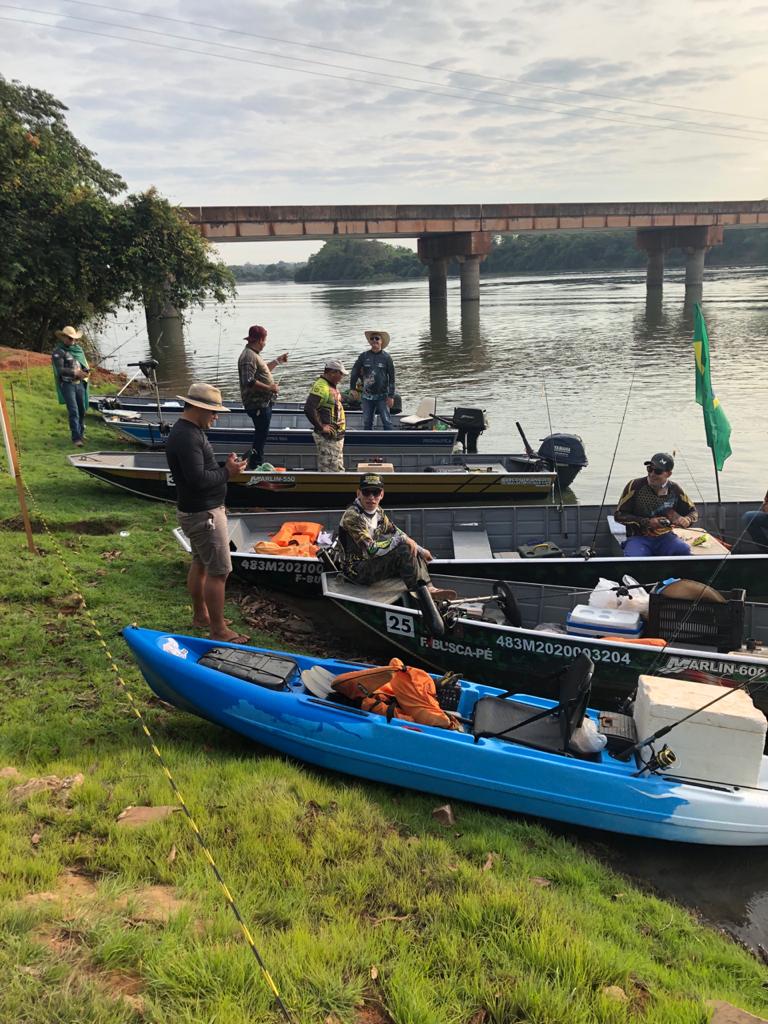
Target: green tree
(360, 260)
(69, 251)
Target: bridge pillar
(695, 241)
(438, 279)
(469, 274)
(468, 247)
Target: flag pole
(13, 468)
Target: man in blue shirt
(375, 371)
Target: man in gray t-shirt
(258, 389)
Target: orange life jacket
(300, 547)
(398, 691)
(290, 532)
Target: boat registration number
(556, 649)
(400, 625)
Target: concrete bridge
(465, 232)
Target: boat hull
(501, 655)
(603, 793)
(504, 529)
(148, 476)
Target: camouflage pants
(400, 561)
(330, 454)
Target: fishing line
(613, 460)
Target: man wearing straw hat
(375, 371)
(70, 371)
(201, 489)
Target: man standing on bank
(258, 389)
(375, 371)
(325, 412)
(201, 488)
(375, 549)
(651, 507)
(70, 370)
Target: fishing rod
(613, 460)
(551, 432)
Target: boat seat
(547, 729)
(471, 544)
(425, 412)
(618, 534)
(507, 554)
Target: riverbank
(365, 908)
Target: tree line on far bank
(366, 261)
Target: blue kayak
(261, 695)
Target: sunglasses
(657, 472)
(370, 492)
(374, 337)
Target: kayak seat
(549, 729)
(252, 667)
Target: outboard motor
(470, 424)
(564, 453)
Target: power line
(410, 64)
(479, 97)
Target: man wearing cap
(257, 389)
(201, 488)
(375, 371)
(651, 507)
(70, 371)
(375, 549)
(325, 412)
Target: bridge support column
(469, 248)
(694, 240)
(438, 279)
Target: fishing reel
(659, 761)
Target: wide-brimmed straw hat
(70, 333)
(204, 396)
(379, 334)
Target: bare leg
(213, 590)
(196, 581)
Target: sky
(435, 101)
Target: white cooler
(586, 620)
(722, 744)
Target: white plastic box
(722, 744)
(585, 620)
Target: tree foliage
(361, 260)
(69, 251)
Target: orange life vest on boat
(297, 539)
(398, 691)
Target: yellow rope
(155, 750)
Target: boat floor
(384, 592)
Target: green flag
(716, 424)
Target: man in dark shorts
(201, 488)
(258, 389)
(375, 549)
(651, 507)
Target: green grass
(334, 878)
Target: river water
(572, 352)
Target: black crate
(687, 622)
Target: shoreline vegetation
(365, 908)
(369, 261)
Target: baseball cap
(256, 333)
(371, 481)
(661, 461)
(335, 364)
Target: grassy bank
(365, 909)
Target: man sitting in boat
(375, 549)
(651, 507)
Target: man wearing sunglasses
(374, 372)
(375, 549)
(651, 507)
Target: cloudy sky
(357, 101)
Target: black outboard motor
(564, 453)
(470, 424)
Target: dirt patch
(92, 527)
(137, 817)
(71, 887)
(47, 783)
(154, 904)
(22, 359)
